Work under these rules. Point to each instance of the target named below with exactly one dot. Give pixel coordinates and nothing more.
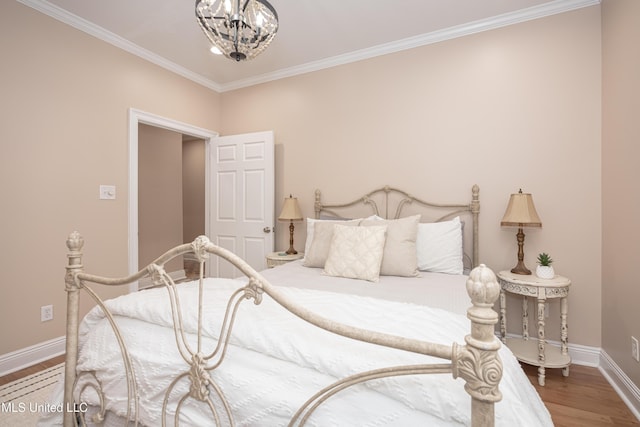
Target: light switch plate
(107, 192)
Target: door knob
(267, 230)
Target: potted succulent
(544, 270)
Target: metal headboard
(387, 199)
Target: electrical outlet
(635, 349)
(46, 313)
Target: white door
(242, 199)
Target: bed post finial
(478, 362)
(475, 212)
(317, 205)
(75, 242)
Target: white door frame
(137, 117)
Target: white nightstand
(275, 259)
(531, 351)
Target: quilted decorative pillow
(317, 254)
(399, 257)
(311, 228)
(439, 247)
(356, 252)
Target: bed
(301, 344)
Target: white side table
(275, 259)
(531, 351)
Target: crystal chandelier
(240, 29)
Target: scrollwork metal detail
(70, 281)
(253, 291)
(366, 200)
(199, 377)
(199, 246)
(481, 370)
(157, 274)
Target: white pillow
(356, 252)
(439, 247)
(310, 228)
(399, 258)
(317, 254)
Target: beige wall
(64, 129)
(620, 178)
(193, 188)
(517, 107)
(171, 192)
(160, 214)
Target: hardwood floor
(583, 399)
(31, 370)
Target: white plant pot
(545, 272)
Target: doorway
(186, 133)
(171, 195)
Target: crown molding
(498, 21)
(528, 14)
(117, 41)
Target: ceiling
(313, 34)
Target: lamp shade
(290, 210)
(521, 212)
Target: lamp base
(520, 269)
(291, 251)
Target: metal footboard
(476, 361)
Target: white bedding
(274, 365)
(439, 290)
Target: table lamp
(521, 213)
(291, 212)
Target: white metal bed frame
(476, 361)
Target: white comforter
(276, 361)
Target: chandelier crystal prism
(240, 29)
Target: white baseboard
(580, 354)
(621, 383)
(29, 356)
